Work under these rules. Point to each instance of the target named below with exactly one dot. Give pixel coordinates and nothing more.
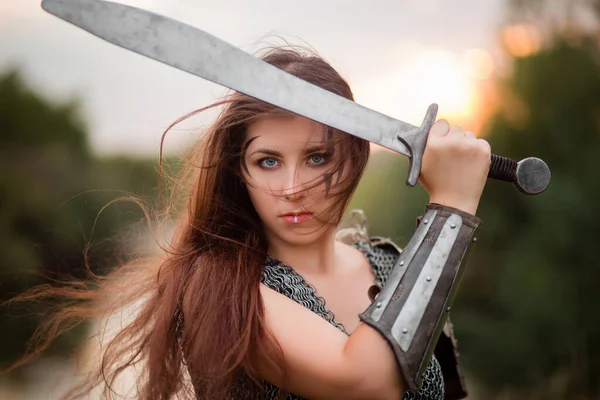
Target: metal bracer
(414, 303)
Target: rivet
(425, 221)
(404, 330)
(448, 309)
(401, 263)
(428, 278)
(378, 304)
(474, 239)
(452, 226)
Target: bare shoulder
(283, 311)
(352, 257)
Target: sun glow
(438, 76)
(521, 40)
(453, 81)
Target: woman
(254, 292)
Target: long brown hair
(201, 312)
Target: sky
(398, 56)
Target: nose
(293, 189)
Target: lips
(296, 218)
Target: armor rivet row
(428, 278)
(378, 304)
(404, 330)
(425, 221)
(452, 226)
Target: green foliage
(52, 189)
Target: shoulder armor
(384, 243)
(357, 233)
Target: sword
(199, 53)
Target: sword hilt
(530, 175)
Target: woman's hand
(455, 167)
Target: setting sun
(453, 81)
(440, 78)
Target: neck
(315, 258)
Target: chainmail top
(382, 255)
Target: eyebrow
(274, 152)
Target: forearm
(413, 304)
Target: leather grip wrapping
(414, 303)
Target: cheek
(261, 200)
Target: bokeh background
(81, 120)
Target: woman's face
(284, 156)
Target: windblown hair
(201, 316)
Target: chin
(303, 236)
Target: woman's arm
(322, 362)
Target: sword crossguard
(418, 143)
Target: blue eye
(318, 159)
(267, 162)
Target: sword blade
(204, 55)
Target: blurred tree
(530, 303)
(533, 306)
(51, 191)
(556, 14)
(536, 22)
